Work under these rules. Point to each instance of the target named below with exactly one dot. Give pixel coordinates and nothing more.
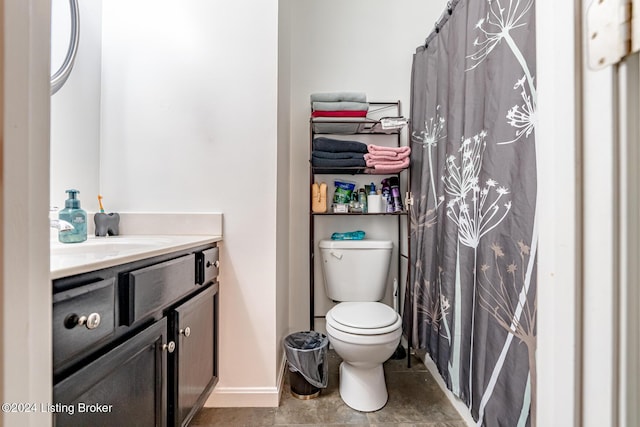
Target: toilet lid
(365, 318)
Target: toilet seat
(363, 318)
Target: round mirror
(65, 36)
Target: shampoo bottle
(76, 217)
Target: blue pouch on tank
(350, 235)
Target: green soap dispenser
(76, 217)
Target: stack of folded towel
(338, 112)
(339, 104)
(387, 159)
(337, 153)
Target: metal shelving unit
(366, 126)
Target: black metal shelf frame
(366, 127)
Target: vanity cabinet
(136, 344)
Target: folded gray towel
(338, 145)
(340, 106)
(340, 155)
(339, 96)
(337, 163)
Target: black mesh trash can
(308, 367)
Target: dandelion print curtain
(472, 295)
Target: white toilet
(361, 330)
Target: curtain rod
(451, 4)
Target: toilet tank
(355, 270)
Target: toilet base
(363, 389)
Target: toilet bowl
(364, 335)
(362, 331)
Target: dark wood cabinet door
(127, 384)
(195, 359)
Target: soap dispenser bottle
(76, 217)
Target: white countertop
(67, 259)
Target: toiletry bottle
(76, 217)
(354, 204)
(395, 194)
(386, 195)
(362, 198)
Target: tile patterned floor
(415, 400)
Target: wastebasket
(308, 366)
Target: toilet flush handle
(336, 254)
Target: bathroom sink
(107, 246)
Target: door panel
(196, 356)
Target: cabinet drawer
(82, 317)
(208, 262)
(151, 288)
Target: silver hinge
(610, 32)
(409, 199)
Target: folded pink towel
(389, 151)
(383, 157)
(388, 164)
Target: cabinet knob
(216, 264)
(91, 321)
(186, 331)
(169, 347)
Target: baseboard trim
(281, 376)
(458, 404)
(248, 397)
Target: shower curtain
(472, 294)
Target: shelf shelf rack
(366, 126)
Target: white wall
(284, 178)
(189, 123)
(75, 108)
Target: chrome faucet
(61, 225)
